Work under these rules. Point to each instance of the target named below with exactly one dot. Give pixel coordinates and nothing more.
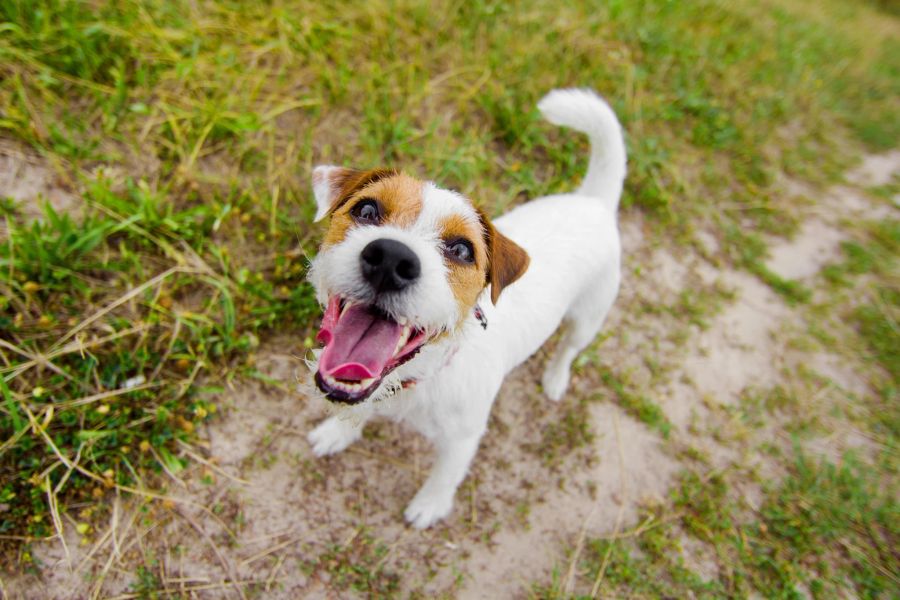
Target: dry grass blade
(273, 549)
(186, 448)
(598, 580)
(76, 346)
(168, 592)
(144, 493)
(120, 546)
(569, 582)
(106, 395)
(226, 564)
(53, 506)
(122, 300)
(34, 360)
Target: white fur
(573, 279)
(585, 111)
(323, 189)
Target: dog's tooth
(402, 320)
(404, 337)
(347, 305)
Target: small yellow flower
(186, 426)
(144, 446)
(30, 287)
(82, 528)
(103, 409)
(38, 392)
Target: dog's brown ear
(507, 261)
(332, 186)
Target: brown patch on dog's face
(399, 199)
(467, 280)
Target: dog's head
(402, 264)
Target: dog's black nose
(389, 265)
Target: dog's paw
(333, 435)
(427, 508)
(555, 382)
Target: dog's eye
(366, 212)
(460, 250)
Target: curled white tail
(585, 111)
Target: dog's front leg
(335, 433)
(434, 500)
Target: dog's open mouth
(362, 345)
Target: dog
(428, 304)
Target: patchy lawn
(733, 431)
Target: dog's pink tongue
(358, 344)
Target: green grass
(867, 275)
(188, 131)
(357, 566)
(827, 528)
(164, 318)
(566, 434)
(636, 404)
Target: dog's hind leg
(581, 325)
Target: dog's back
(573, 242)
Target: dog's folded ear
(332, 186)
(507, 261)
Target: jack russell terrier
(429, 304)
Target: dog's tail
(585, 111)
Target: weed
(635, 404)
(565, 435)
(873, 258)
(357, 565)
(826, 528)
(147, 584)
